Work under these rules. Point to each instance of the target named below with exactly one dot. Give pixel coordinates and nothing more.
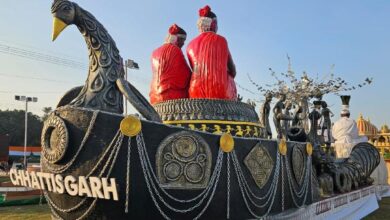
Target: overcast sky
(352, 35)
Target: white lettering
(60, 184)
(19, 177)
(70, 185)
(96, 186)
(26, 177)
(40, 176)
(34, 180)
(83, 187)
(53, 183)
(13, 175)
(102, 188)
(48, 182)
(109, 188)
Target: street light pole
(131, 65)
(26, 100)
(25, 135)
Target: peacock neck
(105, 66)
(98, 40)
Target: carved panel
(183, 161)
(298, 163)
(259, 164)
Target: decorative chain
(128, 175)
(228, 186)
(152, 188)
(273, 190)
(109, 162)
(282, 183)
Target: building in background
(379, 138)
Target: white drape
(346, 135)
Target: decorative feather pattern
(105, 66)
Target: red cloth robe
(171, 74)
(208, 55)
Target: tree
(305, 87)
(12, 123)
(46, 111)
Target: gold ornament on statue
(226, 143)
(309, 148)
(283, 147)
(130, 126)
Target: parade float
(181, 159)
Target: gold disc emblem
(283, 147)
(309, 148)
(226, 142)
(130, 126)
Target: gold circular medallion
(283, 147)
(226, 142)
(130, 126)
(309, 148)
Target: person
(314, 116)
(326, 113)
(346, 135)
(171, 73)
(213, 69)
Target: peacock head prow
(64, 14)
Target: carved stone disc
(185, 148)
(194, 172)
(259, 164)
(54, 139)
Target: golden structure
(379, 138)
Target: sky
(352, 35)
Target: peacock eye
(67, 8)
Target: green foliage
(12, 123)
(386, 156)
(26, 212)
(46, 111)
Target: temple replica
(203, 155)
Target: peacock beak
(58, 27)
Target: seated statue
(171, 74)
(346, 135)
(213, 70)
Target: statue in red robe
(171, 74)
(213, 69)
